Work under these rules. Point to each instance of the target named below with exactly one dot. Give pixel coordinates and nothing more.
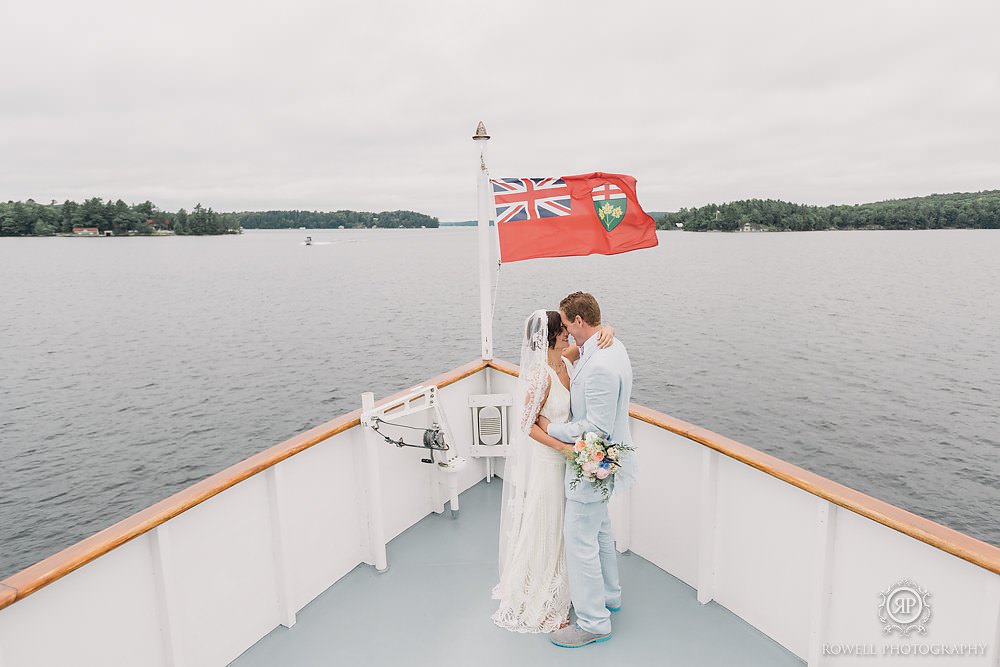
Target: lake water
(134, 367)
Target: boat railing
(805, 560)
(951, 541)
(798, 556)
(34, 577)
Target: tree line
(978, 210)
(333, 219)
(31, 218)
(975, 210)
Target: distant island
(333, 219)
(96, 217)
(961, 210)
(465, 223)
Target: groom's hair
(582, 304)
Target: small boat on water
(309, 240)
(730, 556)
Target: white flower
(590, 438)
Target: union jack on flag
(530, 198)
(607, 191)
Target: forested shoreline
(29, 218)
(963, 210)
(333, 219)
(971, 210)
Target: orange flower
(579, 446)
(598, 455)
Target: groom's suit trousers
(592, 564)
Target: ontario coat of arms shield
(610, 203)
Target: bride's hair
(555, 326)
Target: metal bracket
(418, 399)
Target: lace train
(534, 589)
(534, 585)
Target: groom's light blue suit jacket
(600, 393)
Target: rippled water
(133, 367)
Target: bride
(534, 586)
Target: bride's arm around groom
(600, 396)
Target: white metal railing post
(8, 590)
(826, 530)
(622, 521)
(707, 526)
(376, 520)
(994, 647)
(483, 206)
(437, 478)
(447, 476)
(437, 496)
(488, 378)
(286, 609)
(169, 610)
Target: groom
(600, 391)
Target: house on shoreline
(86, 231)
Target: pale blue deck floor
(433, 606)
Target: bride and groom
(556, 544)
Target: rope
(434, 446)
(496, 292)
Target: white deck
(433, 606)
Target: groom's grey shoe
(573, 636)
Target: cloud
(312, 105)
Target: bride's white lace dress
(534, 586)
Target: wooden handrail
(958, 544)
(31, 579)
(7, 595)
(54, 567)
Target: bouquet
(596, 460)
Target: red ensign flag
(570, 215)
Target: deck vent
(489, 424)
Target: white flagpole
(485, 205)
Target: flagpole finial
(480, 132)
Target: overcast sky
(245, 105)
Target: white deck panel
(433, 606)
